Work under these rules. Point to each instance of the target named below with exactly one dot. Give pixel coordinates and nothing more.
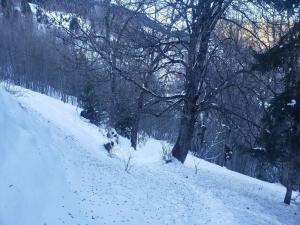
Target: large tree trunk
(194, 72)
(187, 124)
(184, 140)
(289, 182)
(288, 194)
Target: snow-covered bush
(113, 140)
(12, 89)
(113, 135)
(109, 146)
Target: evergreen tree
(281, 136)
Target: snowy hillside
(54, 170)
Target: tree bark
(111, 55)
(187, 124)
(196, 67)
(289, 183)
(113, 88)
(136, 122)
(288, 194)
(134, 132)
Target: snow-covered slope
(54, 170)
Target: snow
(259, 149)
(55, 170)
(292, 103)
(58, 18)
(33, 8)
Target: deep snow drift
(54, 170)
